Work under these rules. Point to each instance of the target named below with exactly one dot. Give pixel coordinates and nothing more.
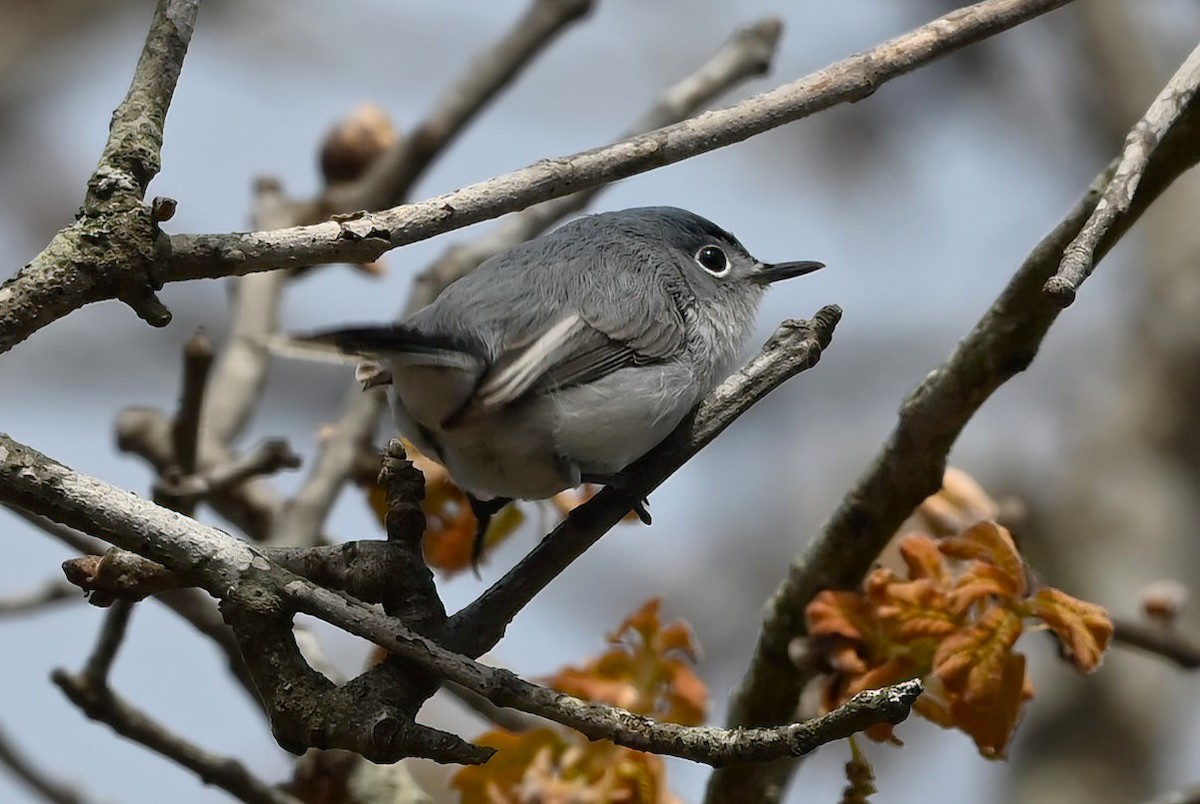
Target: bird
(569, 356)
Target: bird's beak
(768, 273)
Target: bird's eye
(713, 260)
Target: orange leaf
(991, 544)
(838, 614)
(550, 767)
(971, 662)
(980, 582)
(497, 780)
(923, 558)
(1084, 629)
(645, 670)
(991, 723)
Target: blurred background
(922, 200)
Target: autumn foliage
(951, 617)
(647, 669)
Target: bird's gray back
(619, 270)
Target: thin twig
(1078, 258)
(267, 458)
(100, 703)
(304, 514)
(912, 461)
(1153, 638)
(362, 238)
(110, 251)
(52, 790)
(185, 430)
(48, 594)
(710, 745)
(391, 176)
(112, 634)
(794, 347)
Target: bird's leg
(620, 483)
(484, 510)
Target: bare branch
(185, 430)
(912, 461)
(131, 157)
(747, 53)
(100, 703)
(110, 251)
(1154, 638)
(710, 745)
(35, 779)
(47, 594)
(794, 347)
(1079, 257)
(146, 432)
(391, 176)
(303, 516)
(112, 634)
(364, 237)
(230, 569)
(269, 457)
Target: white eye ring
(713, 260)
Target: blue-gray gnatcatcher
(570, 356)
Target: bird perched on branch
(568, 357)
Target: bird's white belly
(535, 450)
(608, 424)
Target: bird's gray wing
(610, 329)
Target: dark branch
(113, 248)
(100, 703)
(912, 461)
(1154, 638)
(1079, 257)
(48, 594)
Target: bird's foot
(484, 510)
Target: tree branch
(47, 594)
(111, 249)
(1154, 638)
(912, 461)
(794, 347)
(100, 703)
(1079, 257)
